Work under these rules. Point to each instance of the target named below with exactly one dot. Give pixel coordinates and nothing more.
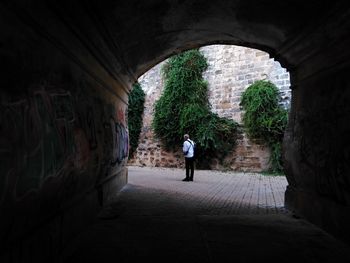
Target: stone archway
(67, 68)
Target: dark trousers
(189, 162)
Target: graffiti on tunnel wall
(120, 143)
(52, 133)
(37, 137)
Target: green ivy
(184, 108)
(135, 112)
(265, 119)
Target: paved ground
(220, 217)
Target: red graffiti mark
(121, 116)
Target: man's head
(186, 137)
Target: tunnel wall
(63, 137)
(318, 148)
(317, 142)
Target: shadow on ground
(148, 224)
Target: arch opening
(231, 69)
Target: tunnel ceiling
(140, 34)
(149, 31)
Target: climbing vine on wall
(265, 119)
(135, 111)
(184, 108)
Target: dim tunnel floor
(221, 216)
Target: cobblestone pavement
(220, 217)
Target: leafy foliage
(135, 111)
(265, 119)
(184, 108)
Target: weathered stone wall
(231, 70)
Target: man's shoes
(191, 179)
(185, 179)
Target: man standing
(188, 150)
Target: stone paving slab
(220, 217)
(214, 192)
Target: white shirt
(187, 146)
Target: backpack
(194, 149)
